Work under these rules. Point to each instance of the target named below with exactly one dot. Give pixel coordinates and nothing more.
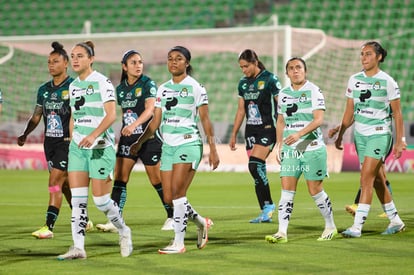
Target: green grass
(235, 246)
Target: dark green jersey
(132, 98)
(258, 94)
(54, 101)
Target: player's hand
(278, 151)
(127, 130)
(232, 143)
(135, 147)
(332, 132)
(21, 140)
(213, 160)
(338, 143)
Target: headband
(127, 54)
(88, 48)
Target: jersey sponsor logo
(291, 108)
(171, 102)
(153, 90)
(53, 96)
(54, 105)
(251, 96)
(365, 94)
(129, 103)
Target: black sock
(167, 207)
(119, 194)
(257, 168)
(51, 216)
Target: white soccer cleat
(125, 242)
(168, 224)
(89, 226)
(107, 227)
(202, 233)
(328, 234)
(173, 248)
(72, 254)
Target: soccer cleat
(43, 233)
(168, 224)
(351, 209)
(328, 234)
(107, 227)
(266, 214)
(277, 238)
(383, 215)
(73, 253)
(351, 233)
(89, 226)
(125, 242)
(202, 233)
(394, 228)
(173, 248)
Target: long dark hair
(251, 57)
(124, 60)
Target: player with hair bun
(53, 105)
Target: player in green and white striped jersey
(180, 103)
(92, 150)
(373, 100)
(301, 149)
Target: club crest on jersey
(184, 92)
(302, 98)
(65, 95)
(260, 85)
(138, 92)
(376, 85)
(89, 90)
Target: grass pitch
(235, 246)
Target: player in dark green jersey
(136, 95)
(258, 91)
(53, 105)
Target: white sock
(285, 210)
(361, 215)
(79, 216)
(194, 216)
(392, 214)
(180, 219)
(111, 210)
(325, 207)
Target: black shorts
(261, 136)
(149, 154)
(56, 153)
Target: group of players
(159, 126)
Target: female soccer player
(258, 91)
(136, 96)
(92, 150)
(301, 149)
(53, 104)
(180, 102)
(373, 99)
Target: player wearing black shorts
(53, 104)
(136, 96)
(258, 91)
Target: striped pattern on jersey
(297, 108)
(179, 103)
(372, 96)
(87, 100)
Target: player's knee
(103, 202)
(254, 164)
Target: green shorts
(185, 153)
(312, 164)
(375, 146)
(99, 163)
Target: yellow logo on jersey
(260, 85)
(138, 92)
(65, 95)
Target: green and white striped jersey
(297, 108)
(372, 96)
(87, 98)
(179, 103)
